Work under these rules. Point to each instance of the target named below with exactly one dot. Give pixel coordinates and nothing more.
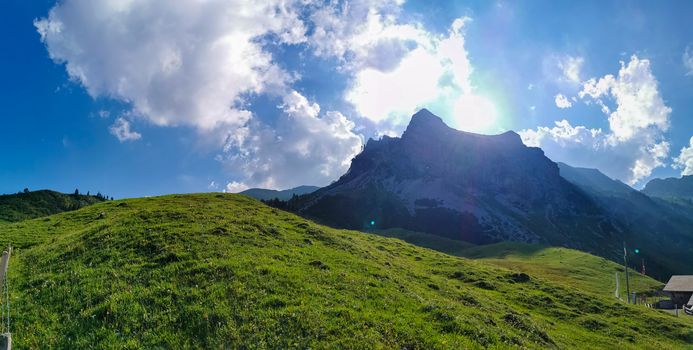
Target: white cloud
(562, 101)
(103, 114)
(295, 104)
(304, 148)
(562, 134)
(639, 105)
(176, 63)
(433, 71)
(235, 187)
(362, 34)
(634, 144)
(688, 61)
(377, 94)
(196, 64)
(121, 130)
(570, 67)
(685, 159)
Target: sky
(146, 97)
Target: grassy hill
(225, 271)
(569, 267)
(29, 205)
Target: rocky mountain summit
(461, 185)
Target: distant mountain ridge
(661, 229)
(265, 194)
(593, 179)
(34, 204)
(671, 188)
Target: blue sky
(152, 97)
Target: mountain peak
(426, 121)
(425, 124)
(424, 113)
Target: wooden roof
(680, 283)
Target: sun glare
(475, 113)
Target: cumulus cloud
(195, 64)
(639, 105)
(305, 147)
(563, 134)
(121, 130)
(199, 64)
(176, 63)
(432, 70)
(634, 145)
(688, 61)
(395, 66)
(685, 159)
(362, 34)
(377, 94)
(570, 67)
(562, 101)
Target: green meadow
(226, 271)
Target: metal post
(4, 262)
(5, 336)
(644, 272)
(625, 265)
(6, 341)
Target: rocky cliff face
(477, 188)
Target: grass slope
(427, 240)
(29, 205)
(569, 267)
(225, 271)
(572, 268)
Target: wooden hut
(680, 289)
